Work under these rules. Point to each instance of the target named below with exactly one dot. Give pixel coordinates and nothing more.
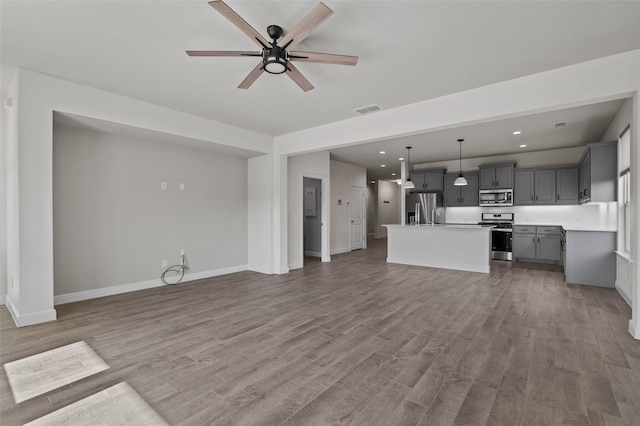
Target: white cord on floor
(176, 268)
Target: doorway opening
(312, 219)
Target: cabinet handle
(497, 183)
(493, 183)
(586, 192)
(532, 198)
(536, 198)
(558, 197)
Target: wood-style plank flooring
(355, 341)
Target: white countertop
(442, 226)
(587, 228)
(577, 227)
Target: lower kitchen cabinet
(537, 243)
(590, 258)
(524, 246)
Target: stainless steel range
(501, 234)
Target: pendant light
(460, 180)
(409, 184)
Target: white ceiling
(409, 51)
(585, 124)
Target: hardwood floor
(355, 341)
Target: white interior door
(357, 217)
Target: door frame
(364, 217)
(324, 215)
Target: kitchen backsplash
(602, 214)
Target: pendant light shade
(460, 180)
(409, 184)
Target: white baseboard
(340, 251)
(23, 320)
(635, 332)
(297, 265)
(142, 285)
(3, 300)
(313, 253)
(624, 294)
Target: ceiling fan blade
(222, 53)
(309, 23)
(253, 76)
(323, 58)
(300, 79)
(237, 20)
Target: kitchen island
(459, 247)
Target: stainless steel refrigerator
(425, 208)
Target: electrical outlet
(164, 263)
(12, 282)
(163, 185)
(181, 186)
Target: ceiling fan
(277, 58)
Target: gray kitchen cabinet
(567, 185)
(469, 193)
(524, 188)
(461, 196)
(537, 243)
(545, 186)
(524, 246)
(598, 173)
(590, 258)
(539, 186)
(427, 180)
(496, 177)
(548, 247)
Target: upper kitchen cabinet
(567, 184)
(461, 196)
(428, 180)
(496, 176)
(597, 173)
(535, 186)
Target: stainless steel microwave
(496, 197)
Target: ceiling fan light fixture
(275, 61)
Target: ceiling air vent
(368, 109)
(560, 124)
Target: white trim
(313, 253)
(624, 294)
(634, 333)
(624, 255)
(142, 285)
(340, 250)
(293, 266)
(440, 265)
(3, 300)
(29, 319)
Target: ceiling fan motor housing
(275, 32)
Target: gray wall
(113, 224)
(312, 224)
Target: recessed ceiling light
(517, 132)
(393, 174)
(382, 152)
(523, 146)
(383, 165)
(401, 158)
(373, 181)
